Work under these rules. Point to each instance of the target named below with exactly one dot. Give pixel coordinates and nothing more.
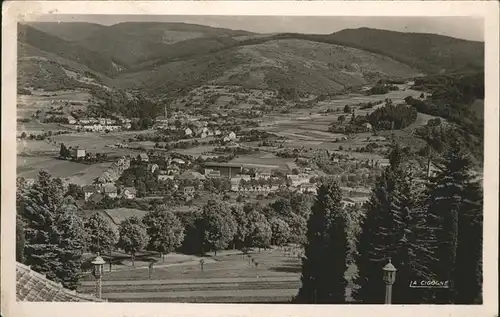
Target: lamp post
(389, 279)
(97, 271)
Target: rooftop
(32, 286)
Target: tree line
(431, 229)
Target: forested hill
(162, 58)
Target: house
(172, 170)
(112, 127)
(188, 132)
(264, 175)
(367, 126)
(211, 173)
(153, 167)
(189, 192)
(192, 176)
(217, 132)
(123, 163)
(376, 138)
(161, 120)
(110, 190)
(143, 157)
(307, 188)
(226, 139)
(93, 128)
(77, 153)
(71, 120)
(178, 161)
(299, 179)
(129, 193)
(96, 198)
(89, 190)
(232, 136)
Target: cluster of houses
(104, 185)
(264, 182)
(100, 124)
(96, 192)
(193, 126)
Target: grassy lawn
(226, 277)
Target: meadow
(231, 276)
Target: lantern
(97, 271)
(97, 265)
(389, 273)
(389, 279)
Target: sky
(469, 28)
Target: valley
(135, 120)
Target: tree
(75, 191)
(101, 237)
(468, 278)
(20, 239)
(454, 207)
(280, 232)
(324, 262)
(64, 152)
(133, 236)
(259, 230)
(394, 227)
(261, 234)
(217, 226)
(23, 135)
(341, 119)
(165, 230)
(241, 220)
(347, 109)
(54, 236)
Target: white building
(78, 153)
(129, 193)
(232, 136)
(188, 132)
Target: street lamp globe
(389, 273)
(98, 264)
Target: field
(228, 276)
(78, 173)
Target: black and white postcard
(172, 155)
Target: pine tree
(64, 152)
(54, 236)
(324, 262)
(469, 271)
(375, 240)
(454, 204)
(394, 227)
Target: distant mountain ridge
(166, 56)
